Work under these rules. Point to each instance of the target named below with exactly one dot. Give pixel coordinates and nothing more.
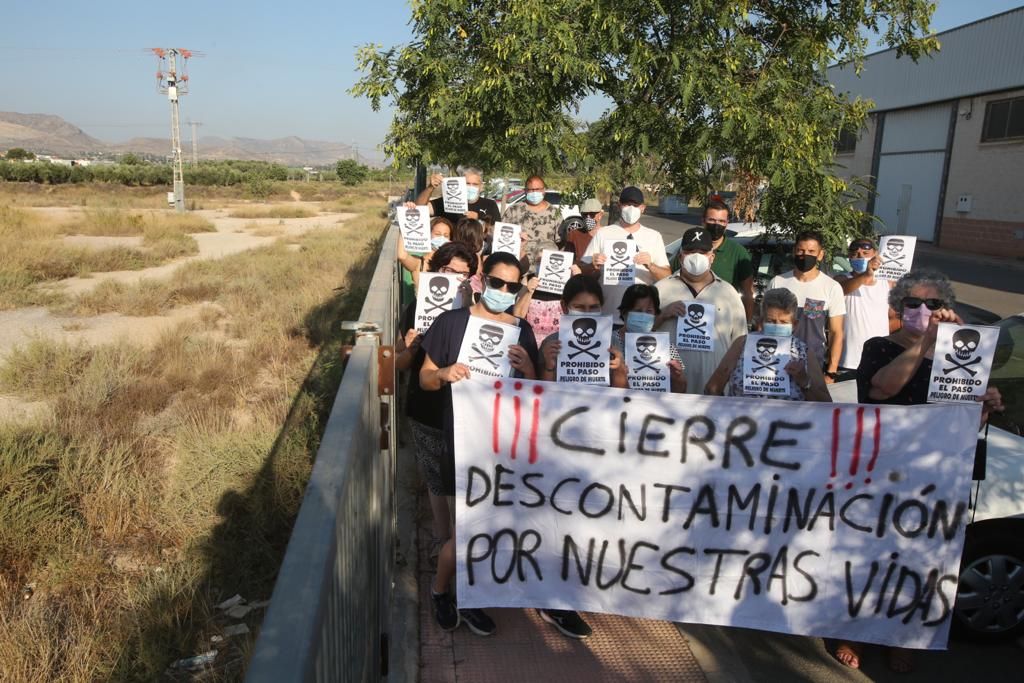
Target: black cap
(697, 239)
(631, 194)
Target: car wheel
(990, 593)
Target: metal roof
(984, 56)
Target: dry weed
(280, 211)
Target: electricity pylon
(174, 83)
(195, 140)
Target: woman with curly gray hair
(897, 369)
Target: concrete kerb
(404, 634)
(715, 653)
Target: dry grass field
(163, 478)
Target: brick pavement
(527, 650)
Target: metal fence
(328, 614)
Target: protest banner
(897, 254)
(695, 331)
(555, 270)
(764, 365)
(962, 363)
(436, 294)
(647, 355)
(485, 347)
(619, 268)
(584, 356)
(833, 520)
(454, 195)
(506, 238)
(414, 224)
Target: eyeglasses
(448, 270)
(915, 302)
(497, 283)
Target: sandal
(849, 654)
(901, 660)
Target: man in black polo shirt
(479, 206)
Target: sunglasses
(497, 283)
(915, 302)
(861, 245)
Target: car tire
(990, 593)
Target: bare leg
(442, 520)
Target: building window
(846, 142)
(1004, 120)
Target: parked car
(990, 595)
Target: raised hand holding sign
(584, 355)
(647, 356)
(555, 270)
(506, 238)
(962, 363)
(485, 347)
(619, 268)
(897, 254)
(414, 224)
(454, 195)
(437, 293)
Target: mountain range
(49, 134)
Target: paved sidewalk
(527, 650)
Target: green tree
(351, 172)
(690, 87)
(20, 154)
(131, 159)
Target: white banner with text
(832, 520)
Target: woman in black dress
(896, 370)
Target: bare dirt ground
(233, 235)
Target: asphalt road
(987, 288)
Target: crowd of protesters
(880, 333)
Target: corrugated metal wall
(981, 57)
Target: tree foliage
(19, 153)
(351, 172)
(688, 85)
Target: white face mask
(631, 215)
(696, 264)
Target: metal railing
(328, 614)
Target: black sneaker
(445, 612)
(477, 621)
(566, 621)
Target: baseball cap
(590, 206)
(632, 195)
(697, 239)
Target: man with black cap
(698, 284)
(651, 261)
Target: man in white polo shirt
(651, 261)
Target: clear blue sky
(269, 70)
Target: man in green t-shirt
(732, 260)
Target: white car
(990, 595)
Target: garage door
(910, 170)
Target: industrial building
(945, 138)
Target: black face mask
(805, 262)
(715, 230)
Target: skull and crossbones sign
(694, 320)
(893, 255)
(765, 358)
(619, 258)
(487, 345)
(965, 343)
(584, 330)
(413, 223)
(439, 287)
(645, 346)
(556, 262)
(505, 234)
(451, 190)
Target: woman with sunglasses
(441, 369)
(425, 418)
(896, 370)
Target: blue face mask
(778, 329)
(859, 265)
(638, 321)
(497, 300)
(472, 193)
(534, 197)
(438, 241)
